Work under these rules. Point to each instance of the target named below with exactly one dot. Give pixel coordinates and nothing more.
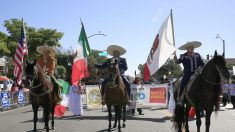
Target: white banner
(142, 96)
(149, 96)
(233, 70)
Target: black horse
(41, 93)
(204, 93)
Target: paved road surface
(96, 121)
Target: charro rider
(191, 62)
(116, 51)
(47, 62)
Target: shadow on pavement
(40, 120)
(38, 130)
(106, 118)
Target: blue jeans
(125, 81)
(184, 82)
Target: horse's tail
(218, 92)
(179, 119)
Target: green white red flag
(79, 68)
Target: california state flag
(163, 47)
(79, 68)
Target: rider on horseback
(116, 52)
(191, 62)
(47, 62)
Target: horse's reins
(33, 87)
(214, 83)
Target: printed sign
(5, 99)
(21, 97)
(93, 97)
(103, 53)
(145, 96)
(157, 95)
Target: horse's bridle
(31, 83)
(214, 83)
(33, 87)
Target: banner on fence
(149, 96)
(5, 99)
(21, 99)
(142, 96)
(93, 97)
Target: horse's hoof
(123, 125)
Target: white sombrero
(42, 49)
(194, 44)
(112, 48)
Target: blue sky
(132, 24)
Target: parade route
(20, 120)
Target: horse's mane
(42, 76)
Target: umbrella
(3, 78)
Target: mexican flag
(79, 68)
(61, 108)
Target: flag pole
(92, 56)
(26, 57)
(172, 23)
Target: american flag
(21, 50)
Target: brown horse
(41, 94)
(203, 93)
(115, 94)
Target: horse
(41, 94)
(115, 95)
(203, 93)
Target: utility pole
(219, 37)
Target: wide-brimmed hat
(42, 49)
(112, 48)
(194, 44)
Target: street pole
(224, 47)
(96, 35)
(218, 36)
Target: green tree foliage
(170, 69)
(3, 44)
(102, 73)
(61, 71)
(35, 37)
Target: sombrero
(112, 48)
(42, 49)
(194, 44)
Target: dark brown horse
(41, 94)
(204, 93)
(115, 94)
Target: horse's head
(220, 64)
(31, 72)
(113, 69)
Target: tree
(92, 69)
(35, 37)
(3, 44)
(170, 69)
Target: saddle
(188, 87)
